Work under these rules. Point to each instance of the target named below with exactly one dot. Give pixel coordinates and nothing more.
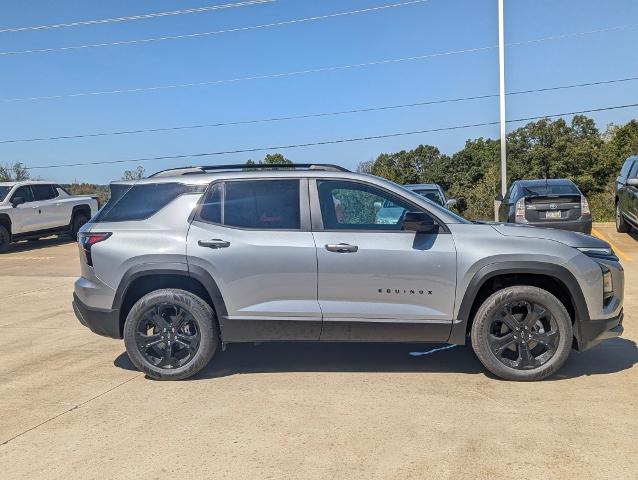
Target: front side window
(24, 192)
(633, 173)
(255, 204)
(432, 195)
(357, 206)
(43, 192)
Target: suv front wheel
(522, 333)
(171, 334)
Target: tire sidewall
(480, 332)
(78, 221)
(5, 239)
(204, 318)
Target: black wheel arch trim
(170, 268)
(560, 273)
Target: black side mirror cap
(419, 222)
(17, 201)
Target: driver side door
(377, 281)
(25, 217)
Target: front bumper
(591, 332)
(104, 322)
(581, 225)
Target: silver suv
(190, 260)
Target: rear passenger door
(253, 237)
(44, 201)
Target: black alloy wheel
(523, 335)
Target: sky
(425, 28)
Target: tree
(15, 172)
(136, 174)
(276, 158)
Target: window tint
(259, 204)
(4, 191)
(211, 209)
(24, 192)
(139, 202)
(43, 192)
(540, 190)
(357, 206)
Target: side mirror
(419, 222)
(377, 206)
(632, 182)
(450, 203)
(15, 201)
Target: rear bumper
(104, 322)
(592, 332)
(582, 225)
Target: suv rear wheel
(621, 224)
(522, 333)
(171, 334)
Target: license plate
(552, 215)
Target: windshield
(542, 190)
(3, 193)
(430, 194)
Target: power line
(130, 18)
(312, 70)
(215, 32)
(328, 142)
(315, 115)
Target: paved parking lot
(72, 406)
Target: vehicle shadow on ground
(26, 246)
(614, 356)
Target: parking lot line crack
(75, 407)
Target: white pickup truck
(33, 209)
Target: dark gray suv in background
(554, 203)
(627, 196)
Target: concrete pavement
(72, 405)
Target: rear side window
(43, 192)
(139, 202)
(257, 204)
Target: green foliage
(136, 174)
(15, 172)
(102, 191)
(543, 149)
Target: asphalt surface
(72, 405)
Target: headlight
(608, 284)
(597, 252)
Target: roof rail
(325, 167)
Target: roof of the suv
(26, 182)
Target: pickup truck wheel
(621, 224)
(522, 333)
(5, 239)
(171, 334)
(79, 219)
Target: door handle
(214, 243)
(341, 248)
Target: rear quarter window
(139, 202)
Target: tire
(621, 224)
(537, 349)
(169, 354)
(79, 219)
(5, 239)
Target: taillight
(87, 240)
(97, 200)
(520, 211)
(584, 206)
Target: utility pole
(501, 68)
